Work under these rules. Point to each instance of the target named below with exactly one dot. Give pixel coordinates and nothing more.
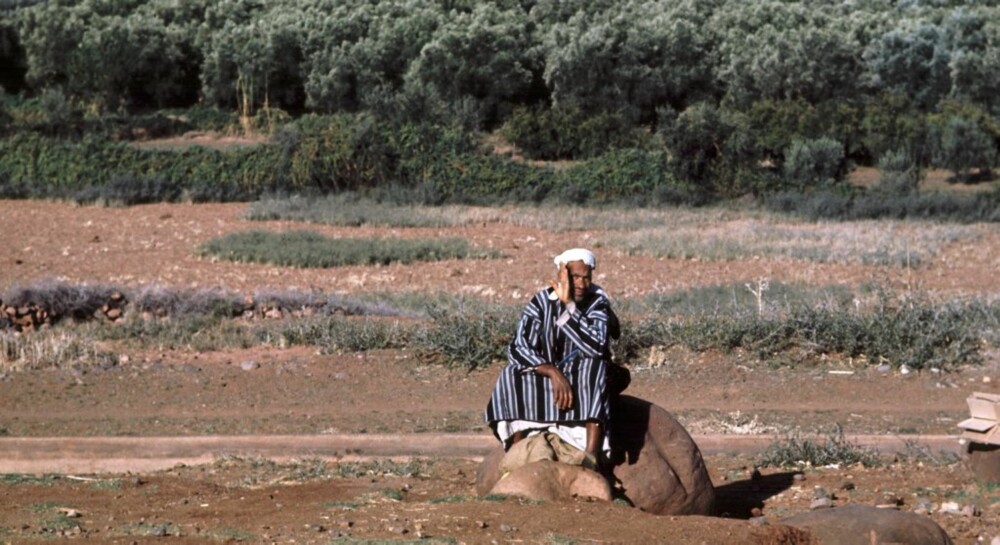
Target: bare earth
(295, 391)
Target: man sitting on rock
(559, 375)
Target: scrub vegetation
(500, 102)
(789, 325)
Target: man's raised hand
(562, 286)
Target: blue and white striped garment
(573, 337)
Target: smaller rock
(819, 493)
(398, 530)
(950, 507)
(905, 369)
(821, 503)
(970, 511)
(756, 512)
(799, 477)
(847, 485)
(986, 380)
(884, 368)
(758, 521)
(249, 365)
(481, 524)
(506, 528)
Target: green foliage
(630, 175)
(961, 145)
(48, 167)
(814, 62)
(310, 249)
(696, 139)
(128, 190)
(898, 173)
(796, 450)
(891, 121)
(563, 131)
(815, 163)
(485, 55)
(631, 57)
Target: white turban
(577, 254)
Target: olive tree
(353, 53)
(632, 58)
(486, 55)
(961, 145)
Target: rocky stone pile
(31, 316)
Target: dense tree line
(725, 87)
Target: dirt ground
(296, 391)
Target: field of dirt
(365, 499)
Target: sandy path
(144, 454)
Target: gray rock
(821, 503)
(249, 365)
(820, 493)
(864, 525)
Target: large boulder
(547, 480)
(865, 524)
(658, 465)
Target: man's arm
(523, 350)
(587, 329)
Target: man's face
(579, 279)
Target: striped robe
(576, 341)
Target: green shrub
(628, 175)
(310, 249)
(128, 190)
(814, 163)
(564, 131)
(899, 174)
(961, 145)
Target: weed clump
(796, 450)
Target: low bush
(796, 450)
(899, 174)
(128, 190)
(862, 205)
(920, 336)
(628, 175)
(470, 337)
(310, 249)
(352, 209)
